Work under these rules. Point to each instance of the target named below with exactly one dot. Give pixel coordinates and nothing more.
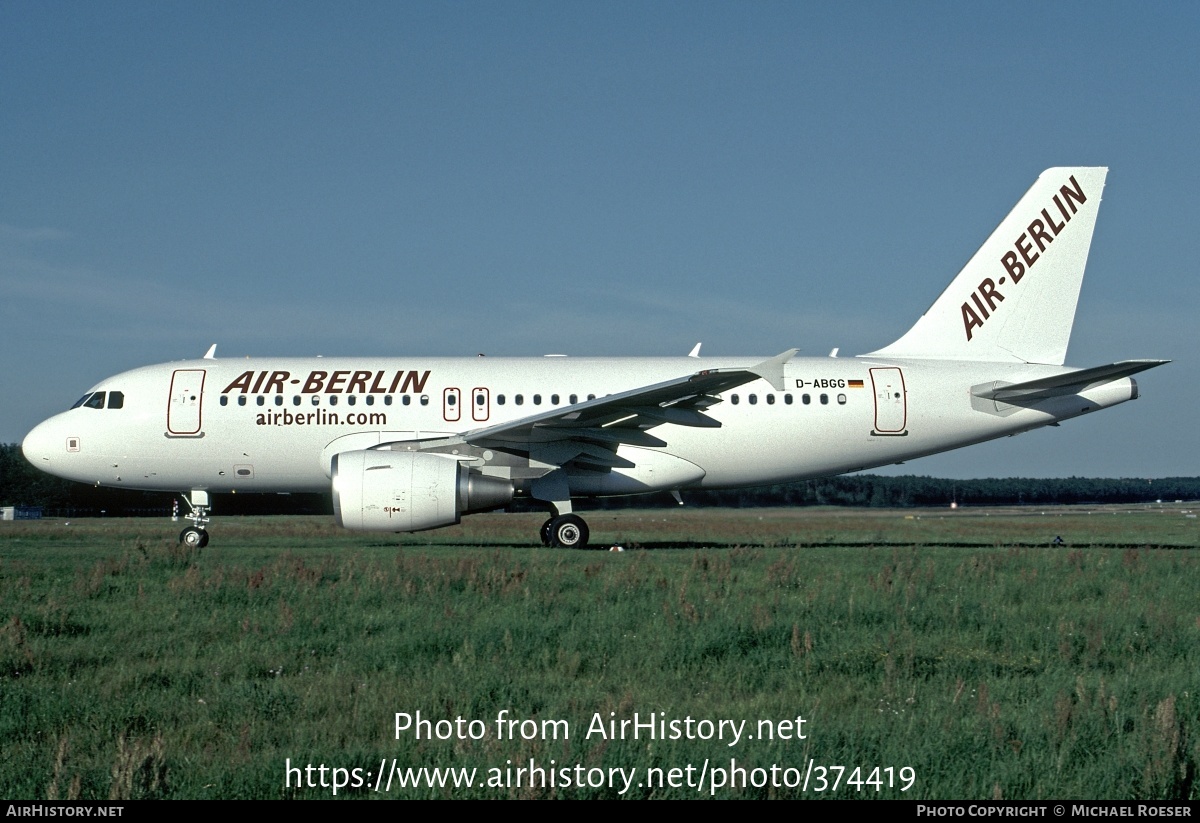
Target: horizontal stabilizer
(1060, 384)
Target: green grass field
(958, 654)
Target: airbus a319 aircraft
(415, 443)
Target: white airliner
(415, 443)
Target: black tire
(193, 538)
(545, 532)
(568, 532)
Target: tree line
(23, 485)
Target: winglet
(211, 354)
(772, 370)
(695, 352)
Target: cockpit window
(95, 400)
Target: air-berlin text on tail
(1018, 260)
(342, 381)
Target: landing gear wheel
(568, 532)
(545, 532)
(193, 538)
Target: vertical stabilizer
(1015, 300)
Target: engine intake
(409, 491)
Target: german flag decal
(854, 384)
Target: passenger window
(407, 400)
(734, 399)
(295, 400)
(279, 400)
(333, 399)
(116, 399)
(387, 400)
(241, 399)
(805, 399)
(261, 400)
(370, 401)
(554, 400)
(824, 400)
(537, 400)
(591, 397)
(841, 399)
(574, 399)
(753, 399)
(451, 400)
(499, 400)
(351, 400)
(316, 399)
(770, 400)
(787, 398)
(519, 399)
(224, 400)
(424, 400)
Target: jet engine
(395, 491)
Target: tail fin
(1015, 300)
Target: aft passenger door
(891, 407)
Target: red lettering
(1050, 222)
(314, 383)
(988, 289)
(334, 386)
(1015, 270)
(1073, 195)
(1062, 209)
(359, 378)
(242, 383)
(970, 320)
(276, 382)
(979, 305)
(1025, 250)
(1037, 230)
(414, 383)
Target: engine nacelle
(397, 491)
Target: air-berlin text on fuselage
(342, 381)
(1020, 259)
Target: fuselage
(274, 424)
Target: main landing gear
(194, 536)
(566, 531)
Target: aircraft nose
(42, 445)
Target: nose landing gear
(194, 536)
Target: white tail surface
(1015, 300)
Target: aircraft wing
(590, 432)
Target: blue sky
(602, 179)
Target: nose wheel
(567, 531)
(193, 538)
